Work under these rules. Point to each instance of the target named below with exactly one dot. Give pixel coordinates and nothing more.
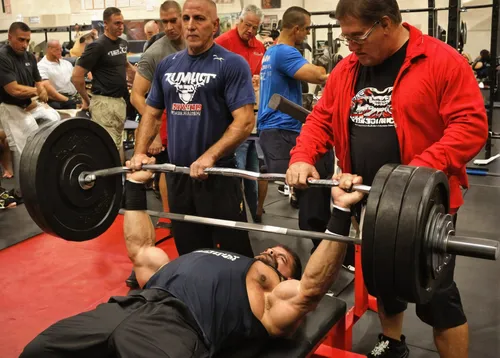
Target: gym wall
(65, 12)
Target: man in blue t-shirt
(208, 95)
(283, 68)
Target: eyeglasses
(359, 39)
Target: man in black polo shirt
(21, 93)
(106, 58)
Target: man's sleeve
(463, 112)
(7, 72)
(238, 79)
(90, 56)
(156, 98)
(316, 135)
(289, 61)
(43, 70)
(146, 66)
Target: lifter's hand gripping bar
(87, 178)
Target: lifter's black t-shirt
(374, 142)
(20, 68)
(107, 60)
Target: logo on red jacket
(372, 108)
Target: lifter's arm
(139, 231)
(291, 300)
(239, 130)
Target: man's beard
(268, 260)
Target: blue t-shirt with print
(279, 65)
(199, 93)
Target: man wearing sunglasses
(400, 97)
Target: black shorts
(276, 145)
(146, 323)
(443, 311)
(216, 197)
(162, 157)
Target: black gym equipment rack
(46, 30)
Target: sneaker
(349, 268)
(390, 348)
(284, 189)
(19, 200)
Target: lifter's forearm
(323, 266)
(148, 129)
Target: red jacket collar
(416, 45)
(250, 43)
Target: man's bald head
(54, 50)
(209, 4)
(150, 29)
(53, 43)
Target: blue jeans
(246, 159)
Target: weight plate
(427, 188)
(386, 230)
(57, 203)
(368, 229)
(26, 173)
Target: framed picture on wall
(271, 4)
(269, 21)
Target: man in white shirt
(56, 78)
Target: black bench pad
(315, 326)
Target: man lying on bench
(202, 302)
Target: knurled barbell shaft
(456, 245)
(89, 177)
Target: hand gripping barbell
(71, 187)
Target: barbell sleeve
(244, 226)
(89, 177)
(472, 247)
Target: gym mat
(16, 226)
(45, 279)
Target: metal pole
(454, 23)
(432, 19)
(464, 246)
(494, 47)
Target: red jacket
(438, 112)
(253, 51)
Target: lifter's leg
(81, 336)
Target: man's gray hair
(253, 9)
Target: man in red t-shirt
(241, 40)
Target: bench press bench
(316, 326)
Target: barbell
(73, 185)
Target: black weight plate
(62, 152)
(427, 188)
(369, 220)
(27, 173)
(386, 230)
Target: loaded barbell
(72, 187)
